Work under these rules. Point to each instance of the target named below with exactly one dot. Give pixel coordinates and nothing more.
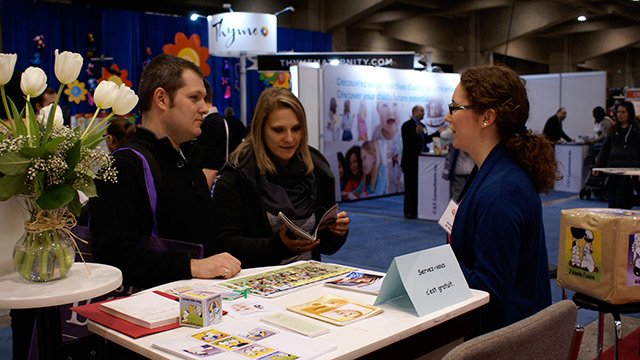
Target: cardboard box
(200, 308)
(599, 253)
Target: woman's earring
(484, 124)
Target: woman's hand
(341, 226)
(296, 245)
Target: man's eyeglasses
(453, 108)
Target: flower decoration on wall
(189, 49)
(76, 92)
(277, 79)
(113, 73)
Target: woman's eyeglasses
(453, 108)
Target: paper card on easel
(424, 281)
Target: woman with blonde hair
(275, 170)
(498, 235)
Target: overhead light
(582, 18)
(288, 8)
(195, 16)
(227, 6)
(334, 62)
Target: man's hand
(221, 265)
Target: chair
(553, 274)
(603, 307)
(549, 334)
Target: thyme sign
(234, 33)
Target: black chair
(553, 274)
(603, 307)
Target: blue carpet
(379, 232)
(6, 351)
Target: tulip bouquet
(47, 164)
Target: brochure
(359, 281)
(336, 310)
(328, 218)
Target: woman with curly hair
(498, 234)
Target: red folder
(92, 312)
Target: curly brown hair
(499, 88)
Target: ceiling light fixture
(582, 18)
(288, 8)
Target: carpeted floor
(379, 232)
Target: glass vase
(46, 251)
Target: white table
(390, 327)
(18, 293)
(619, 171)
(433, 190)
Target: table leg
(49, 332)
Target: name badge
(448, 216)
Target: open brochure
(328, 218)
(358, 281)
(244, 340)
(336, 310)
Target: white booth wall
(578, 92)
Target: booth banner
(282, 62)
(364, 108)
(233, 33)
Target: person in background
(275, 170)
(119, 132)
(498, 234)
(621, 148)
(553, 127)
(342, 165)
(458, 165)
(172, 106)
(353, 173)
(603, 124)
(42, 100)
(213, 139)
(414, 140)
(237, 130)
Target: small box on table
(200, 308)
(599, 253)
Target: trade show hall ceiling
(441, 25)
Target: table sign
(424, 281)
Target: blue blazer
(498, 238)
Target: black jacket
(553, 130)
(621, 149)
(121, 213)
(240, 219)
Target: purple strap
(151, 188)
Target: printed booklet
(287, 279)
(336, 310)
(359, 281)
(146, 309)
(327, 219)
(240, 339)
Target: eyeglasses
(453, 108)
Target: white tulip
(68, 66)
(33, 81)
(43, 116)
(7, 64)
(126, 100)
(105, 94)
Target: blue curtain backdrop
(124, 36)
